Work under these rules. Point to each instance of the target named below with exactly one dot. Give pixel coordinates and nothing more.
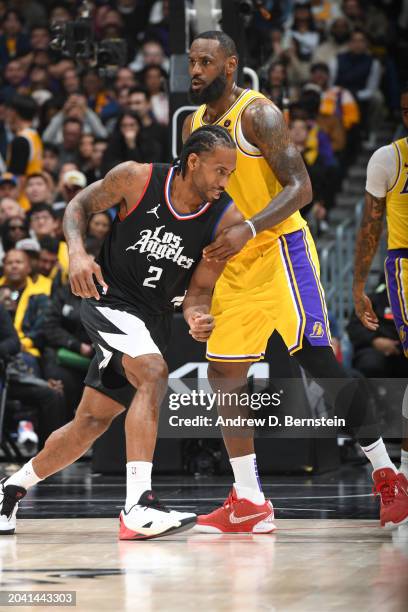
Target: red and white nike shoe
(393, 489)
(238, 516)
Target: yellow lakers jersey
(253, 185)
(397, 199)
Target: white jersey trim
(382, 171)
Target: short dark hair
(205, 139)
(226, 43)
(320, 66)
(72, 120)
(53, 148)
(139, 89)
(24, 106)
(41, 207)
(404, 88)
(37, 175)
(358, 30)
(14, 12)
(48, 243)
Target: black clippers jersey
(149, 256)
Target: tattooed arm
(367, 241)
(264, 127)
(122, 185)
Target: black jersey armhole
(142, 195)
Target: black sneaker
(10, 495)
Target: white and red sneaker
(151, 519)
(393, 490)
(238, 516)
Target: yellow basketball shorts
(271, 287)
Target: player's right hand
(365, 312)
(201, 326)
(82, 269)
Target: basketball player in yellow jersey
(25, 154)
(387, 193)
(272, 281)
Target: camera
(76, 40)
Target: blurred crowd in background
(335, 68)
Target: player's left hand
(228, 243)
(201, 326)
(364, 311)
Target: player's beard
(211, 93)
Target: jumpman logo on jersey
(153, 211)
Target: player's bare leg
(245, 509)
(144, 517)
(94, 415)
(64, 446)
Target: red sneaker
(393, 489)
(238, 516)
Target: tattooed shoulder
(126, 179)
(265, 127)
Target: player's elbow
(306, 192)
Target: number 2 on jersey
(148, 282)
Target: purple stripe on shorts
(309, 291)
(294, 292)
(392, 269)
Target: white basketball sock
(25, 477)
(247, 483)
(404, 462)
(138, 480)
(378, 456)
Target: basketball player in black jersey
(152, 255)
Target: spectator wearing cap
(26, 149)
(71, 183)
(32, 247)
(8, 186)
(38, 189)
(43, 225)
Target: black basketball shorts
(116, 331)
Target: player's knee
(146, 370)
(93, 421)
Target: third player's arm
(367, 241)
(264, 126)
(197, 303)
